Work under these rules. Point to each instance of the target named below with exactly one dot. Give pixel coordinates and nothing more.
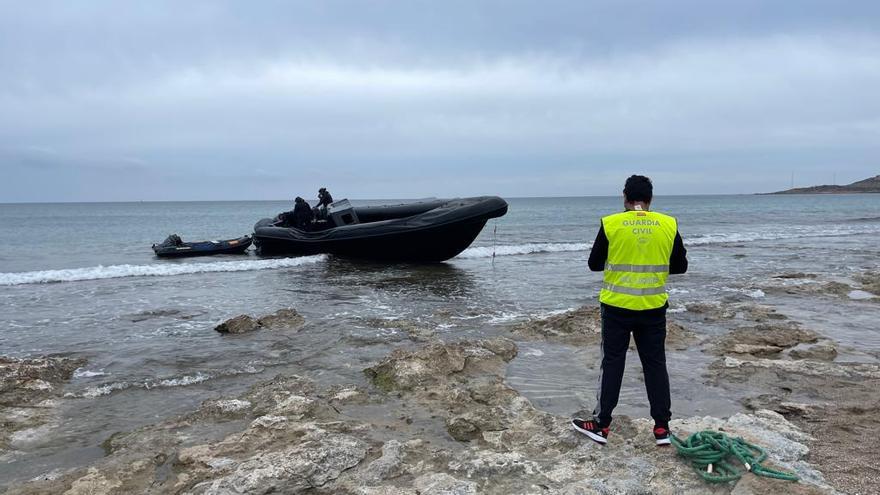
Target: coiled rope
(709, 452)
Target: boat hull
(435, 235)
(204, 248)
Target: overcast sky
(190, 100)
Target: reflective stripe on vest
(651, 291)
(637, 268)
(639, 247)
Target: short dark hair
(638, 188)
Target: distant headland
(871, 185)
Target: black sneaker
(591, 429)
(661, 435)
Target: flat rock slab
(287, 319)
(583, 326)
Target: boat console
(342, 213)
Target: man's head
(322, 190)
(638, 189)
(298, 200)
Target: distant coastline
(866, 186)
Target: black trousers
(648, 328)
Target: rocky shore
(437, 417)
(29, 393)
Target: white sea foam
(153, 270)
(753, 293)
(793, 233)
(506, 317)
(106, 389)
(697, 240)
(81, 373)
(555, 312)
(519, 249)
(175, 381)
(860, 295)
(181, 381)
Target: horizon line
(356, 199)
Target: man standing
(324, 201)
(637, 249)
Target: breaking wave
(175, 381)
(799, 232)
(155, 270)
(795, 232)
(517, 249)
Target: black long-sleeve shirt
(678, 264)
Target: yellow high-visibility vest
(639, 246)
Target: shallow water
(90, 287)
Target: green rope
(709, 451)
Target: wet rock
(741, 311)
(802, 367)
(791, 275)
(835, 288)
(94, 482)
(296, 405)
(764, 339)
(293, 440)
(286, 319)
(385, 467)
(807, 286)
(29, 392)
(226, 407)
(283, 319)
(584, 322)
(475, 423)
(824, 351)
(870, 282)
(583, 326)
(307, 466)
(820, 397)
(403, 369)
(237, 325)
(346, 394)
(286, 395)
(29, 380)
(463, 429)
(443, 484)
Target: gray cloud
(215, 100)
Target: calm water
(81, 279)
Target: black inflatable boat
(174, 247)
(430, 230)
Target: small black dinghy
(429, 230)
(174, 247)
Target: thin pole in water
(494, 241)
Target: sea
(81, 280)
